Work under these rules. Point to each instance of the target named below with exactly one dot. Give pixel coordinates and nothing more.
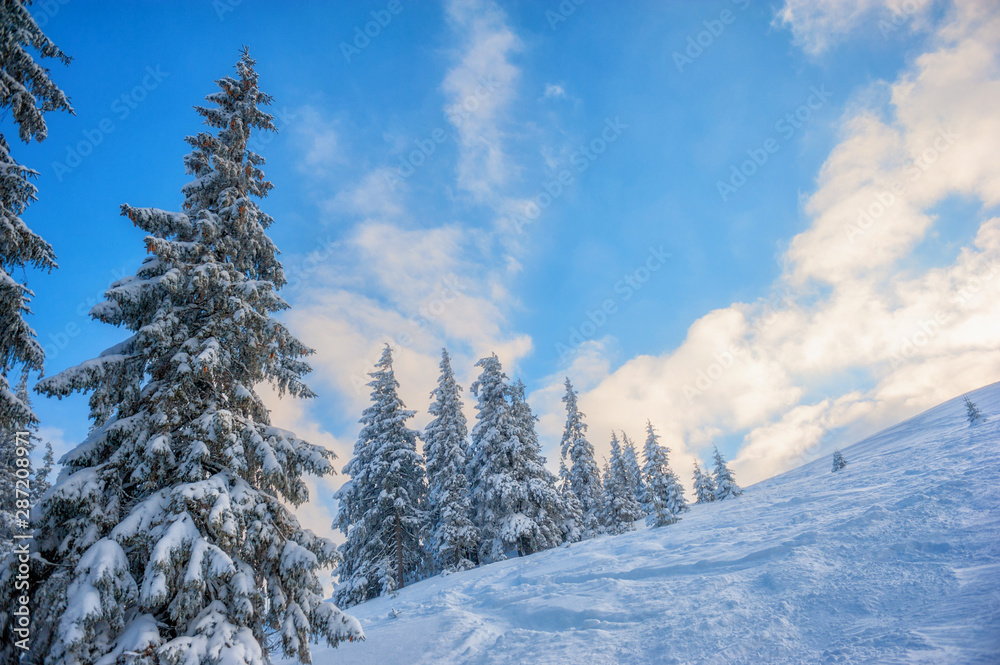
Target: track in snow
(895, 559)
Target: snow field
(894, 559)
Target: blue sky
(766, 320)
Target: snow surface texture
(894, 559)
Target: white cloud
(318, 138)
(480, 89)
(785, 372)
(554, 91)
(818, 25)
(372, 197)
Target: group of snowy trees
(474, 498)
(718, 485)
(168, 536)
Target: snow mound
(893, 559)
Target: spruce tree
(838, 461)
(631, 461)
(620, 507)
(972, 412)
(382, 508)
(167, 538)
(578, 471)
(515, 503)
(453, 537)
(725, 483)
(27, 93)
(663, 496)
(704, 487)
(44, 472)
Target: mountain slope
(894, 559)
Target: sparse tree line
(478, 497)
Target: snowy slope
(895, 559)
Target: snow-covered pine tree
(972, 412)
(578, 470)
(572, 512)
(620, 507)
(543, 502)
(166, 538)
(704, 487)
(515, 503)
(42, 482)
(28, 93)
(725, 483)
(838, 461)
(453, 537)
(634, 473)
(663, 496)
(382, 508)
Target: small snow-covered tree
(620, 507)
(838, 461)
(167, 538)
(725, 483)
(663, 495)
(515, 503)
(44, 472)
(633, 472)
(578, 470)
(27, 93)
(704, 487)
(972, 412)
(382, 506)
(453, 536)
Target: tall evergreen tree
(725, 483)
(838, 461)
(578, 471)
(27, 92)
(631, 461)
(167, 538)
(382, 507)
(620, 507)
(515, 503)
(704, 487)
(663, 496)
(453, 537)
